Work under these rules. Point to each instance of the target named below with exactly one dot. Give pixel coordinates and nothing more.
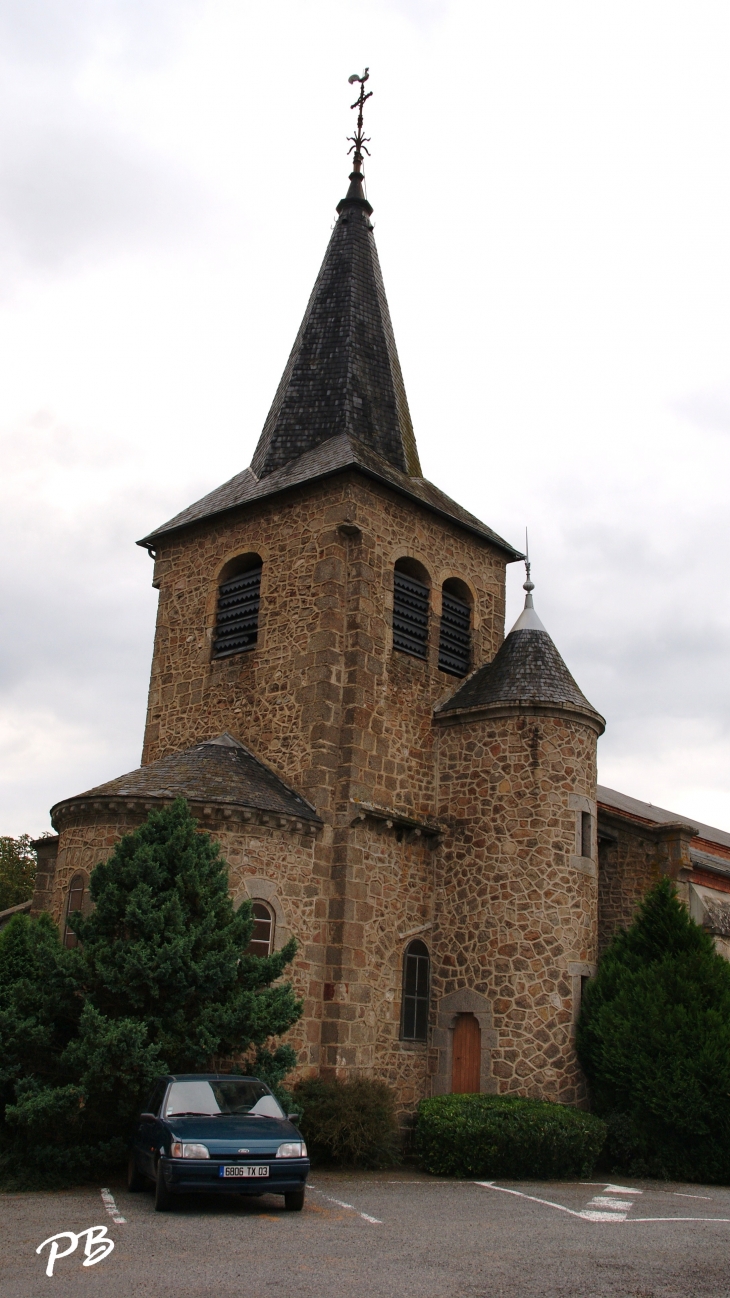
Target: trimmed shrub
(654, 1040)
(351, 1124)
(506, 1136)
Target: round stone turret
(517, 903)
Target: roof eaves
(476, 528)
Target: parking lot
(385, 1233)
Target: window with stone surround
(262, 938)
(455, 636)
(237, 613)
(74, 902)
(411, 596)
(416, 981)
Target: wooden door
(467, 1049)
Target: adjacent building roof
(527, 670)
(646, 812)
(220, 771)
(341, 403)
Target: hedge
(506, 1136)
(351, 1124)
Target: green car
(215, 1133)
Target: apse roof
(219, 770)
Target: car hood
(257, 1133)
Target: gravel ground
(375, 1234)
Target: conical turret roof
(527, 674)
(343, 374)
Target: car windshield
(225, 1096)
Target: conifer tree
(654, 1041)
(161, 982)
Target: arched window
(262, 938)
(416, 978)
(75, 902)
(237, 616)
(410, 608)
(455, 637)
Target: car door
(147, 1139)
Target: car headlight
(180, 1150)
(292, 1149)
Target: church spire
(343, 374)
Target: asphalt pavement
(372, 1235)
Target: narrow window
(586, 836)
(410, 610)
(262, 938)
(75, 902)
(414, 1024)
(455, 638)
(237, 618)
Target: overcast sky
(551, 184)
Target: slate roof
(343, 374)
(334, 456)
(638, 810)
(341, 403)
(527, 669)
(220, 771)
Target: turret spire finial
(528, 585)
(359, 141)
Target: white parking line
(588, 1215)
(111, 1207)
(375, 1221)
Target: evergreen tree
(17, 870)
(161, 982)
(654, 1041)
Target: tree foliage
(161, 982)
(654, 1040)
(17, 870)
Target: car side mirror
(148, 1117)
(293, 1117)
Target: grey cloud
(64, 33)
(710, 410)
(68, 189)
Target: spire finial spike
(528, 585)
(359, 141)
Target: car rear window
(230, 1095)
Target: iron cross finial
(359, 141)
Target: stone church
(406, 791)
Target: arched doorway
(466, 1056)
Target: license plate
(244, 1169)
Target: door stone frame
(463, 1001)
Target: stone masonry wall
(516, 907)
(628, 867)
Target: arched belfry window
(262, 938)
(410, 608)
(455, 637)
(74, 902)
(416, 980)
(237, 615)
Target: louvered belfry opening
(455, 637)
(237, 618)
(410, 613)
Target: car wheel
(135, 1180)
(294, 1201)
(163, 1198)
